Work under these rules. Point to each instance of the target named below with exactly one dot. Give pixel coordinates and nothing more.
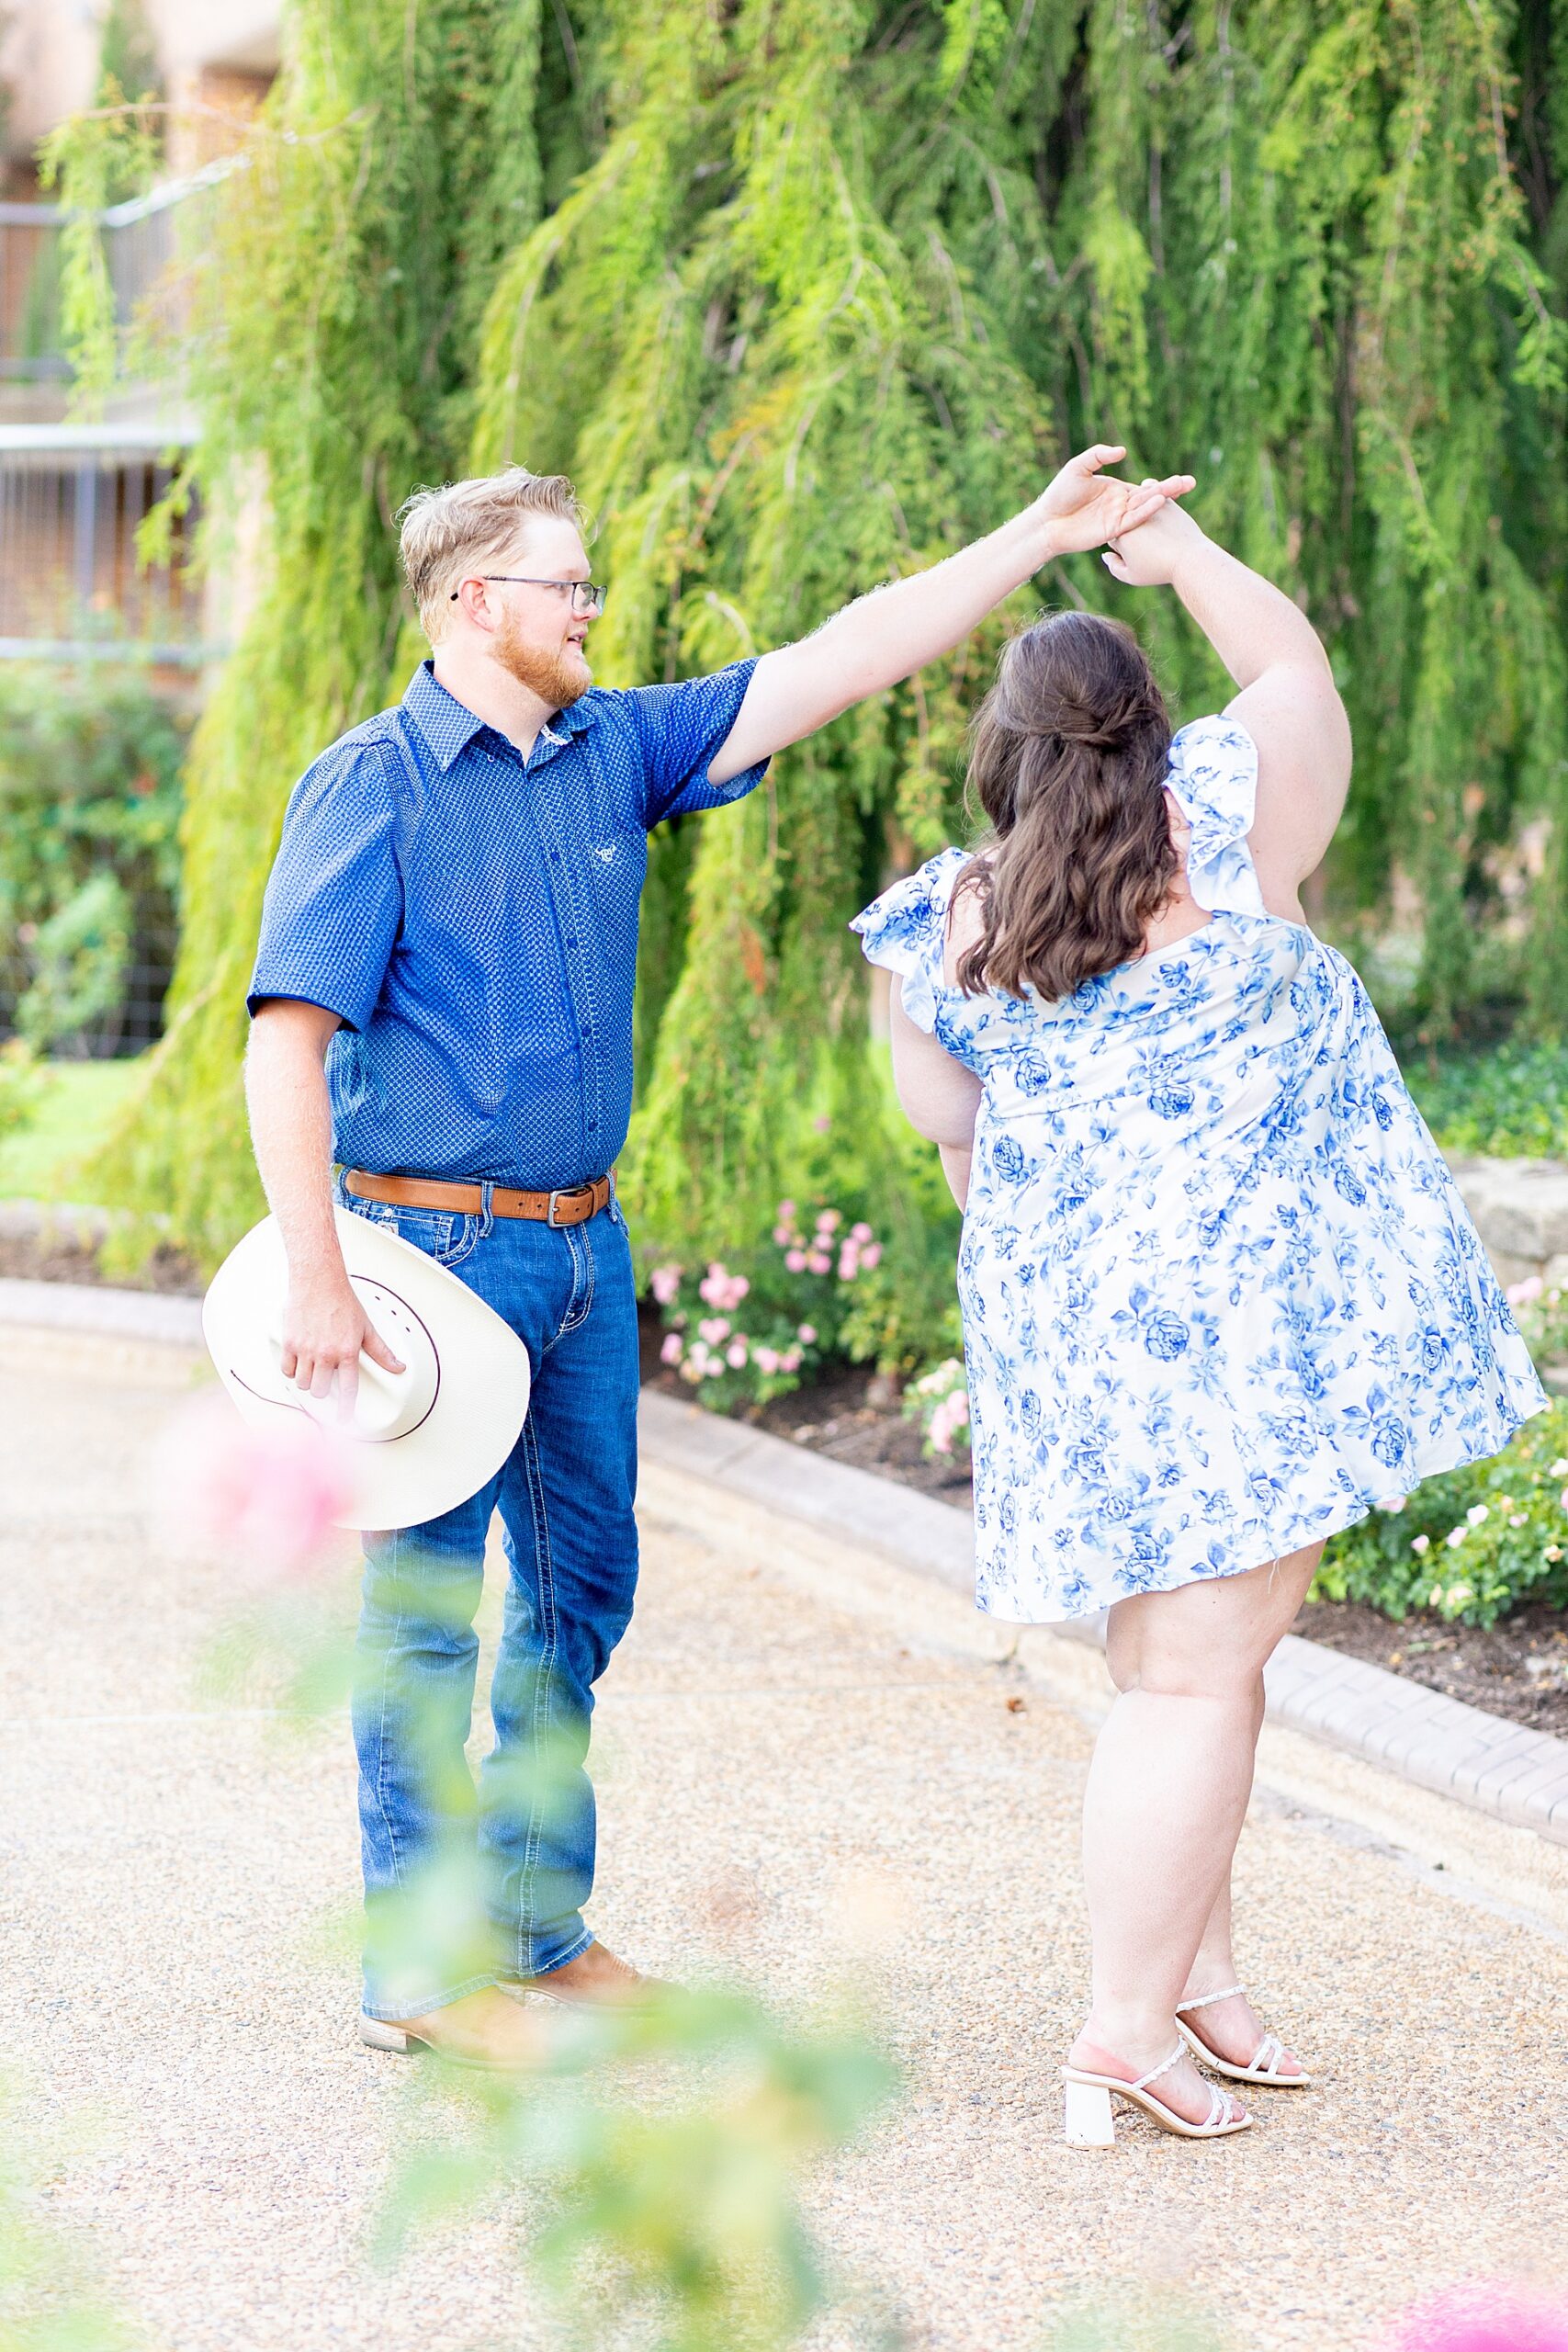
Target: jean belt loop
(487, 1218)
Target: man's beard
(557, 678)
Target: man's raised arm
(889, 635)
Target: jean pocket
(445, 1237)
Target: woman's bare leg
(1231, 2028)
(1166, 1796)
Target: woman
(1220, 1295)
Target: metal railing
(139, 248)
(72, 499)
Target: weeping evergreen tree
(804, 293)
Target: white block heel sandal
(1090, 2121)
(1262, 2067)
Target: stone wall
(1521, 1207)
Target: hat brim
(482, 1391)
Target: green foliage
(47, 2302)
(1471, 1544)
(128, 54)
(806, 293)
(1511, 1102)
(81, 959)
(679, 2218)
(89, 860)
(1136, 2318)
(24, 1088)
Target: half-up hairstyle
(1068, 760)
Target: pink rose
(266, 1497)
(735, 1354)
(664, 1282)
(861, 1232)
(820, 1262)
(795, 1260)
(871, 1255)
(673, 1350)
(807, 1334)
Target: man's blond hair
(448, 533)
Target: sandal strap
(1266, 2056)
(1205, 1999)
(1219, 2108)
(1155, 2072)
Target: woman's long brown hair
(1068, 760)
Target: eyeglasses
(587, 595)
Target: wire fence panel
(70, 575)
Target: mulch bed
(1518, 1670)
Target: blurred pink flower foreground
(1482, 2317)
(268, 1497)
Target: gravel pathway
(796, 1790)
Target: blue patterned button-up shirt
(471, 916)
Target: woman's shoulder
(917, 904)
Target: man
(441, 1003)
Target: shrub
(1510, 1102)
(860, 1257)
(89, 858)
(1471, 1544)
(747, 1333)
(940, 1402)
(23, 1086)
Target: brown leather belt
(572, 1204)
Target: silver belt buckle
(564, 1191)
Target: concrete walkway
(810, 1769)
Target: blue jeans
(465, 1887)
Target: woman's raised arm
(1286, 698)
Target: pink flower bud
(830, 1221)
(871, 1255)
(664, 1282)
(820, 1262)
(807, 1334)
(861, 1232)
(795, 1260)
(735, 1354)
(673, 1349)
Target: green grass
(76, 1114)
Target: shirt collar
(448, 726)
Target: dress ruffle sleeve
(904, 931)
(1213, 774)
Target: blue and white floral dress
(1220, 1294)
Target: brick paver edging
(1517, 1776)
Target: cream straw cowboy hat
(422, 1441)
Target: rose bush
(1470, 1544)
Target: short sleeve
(905, 931)
(679, 728)
(334, 899)
(1214, 774)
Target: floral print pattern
(1220, 1294)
